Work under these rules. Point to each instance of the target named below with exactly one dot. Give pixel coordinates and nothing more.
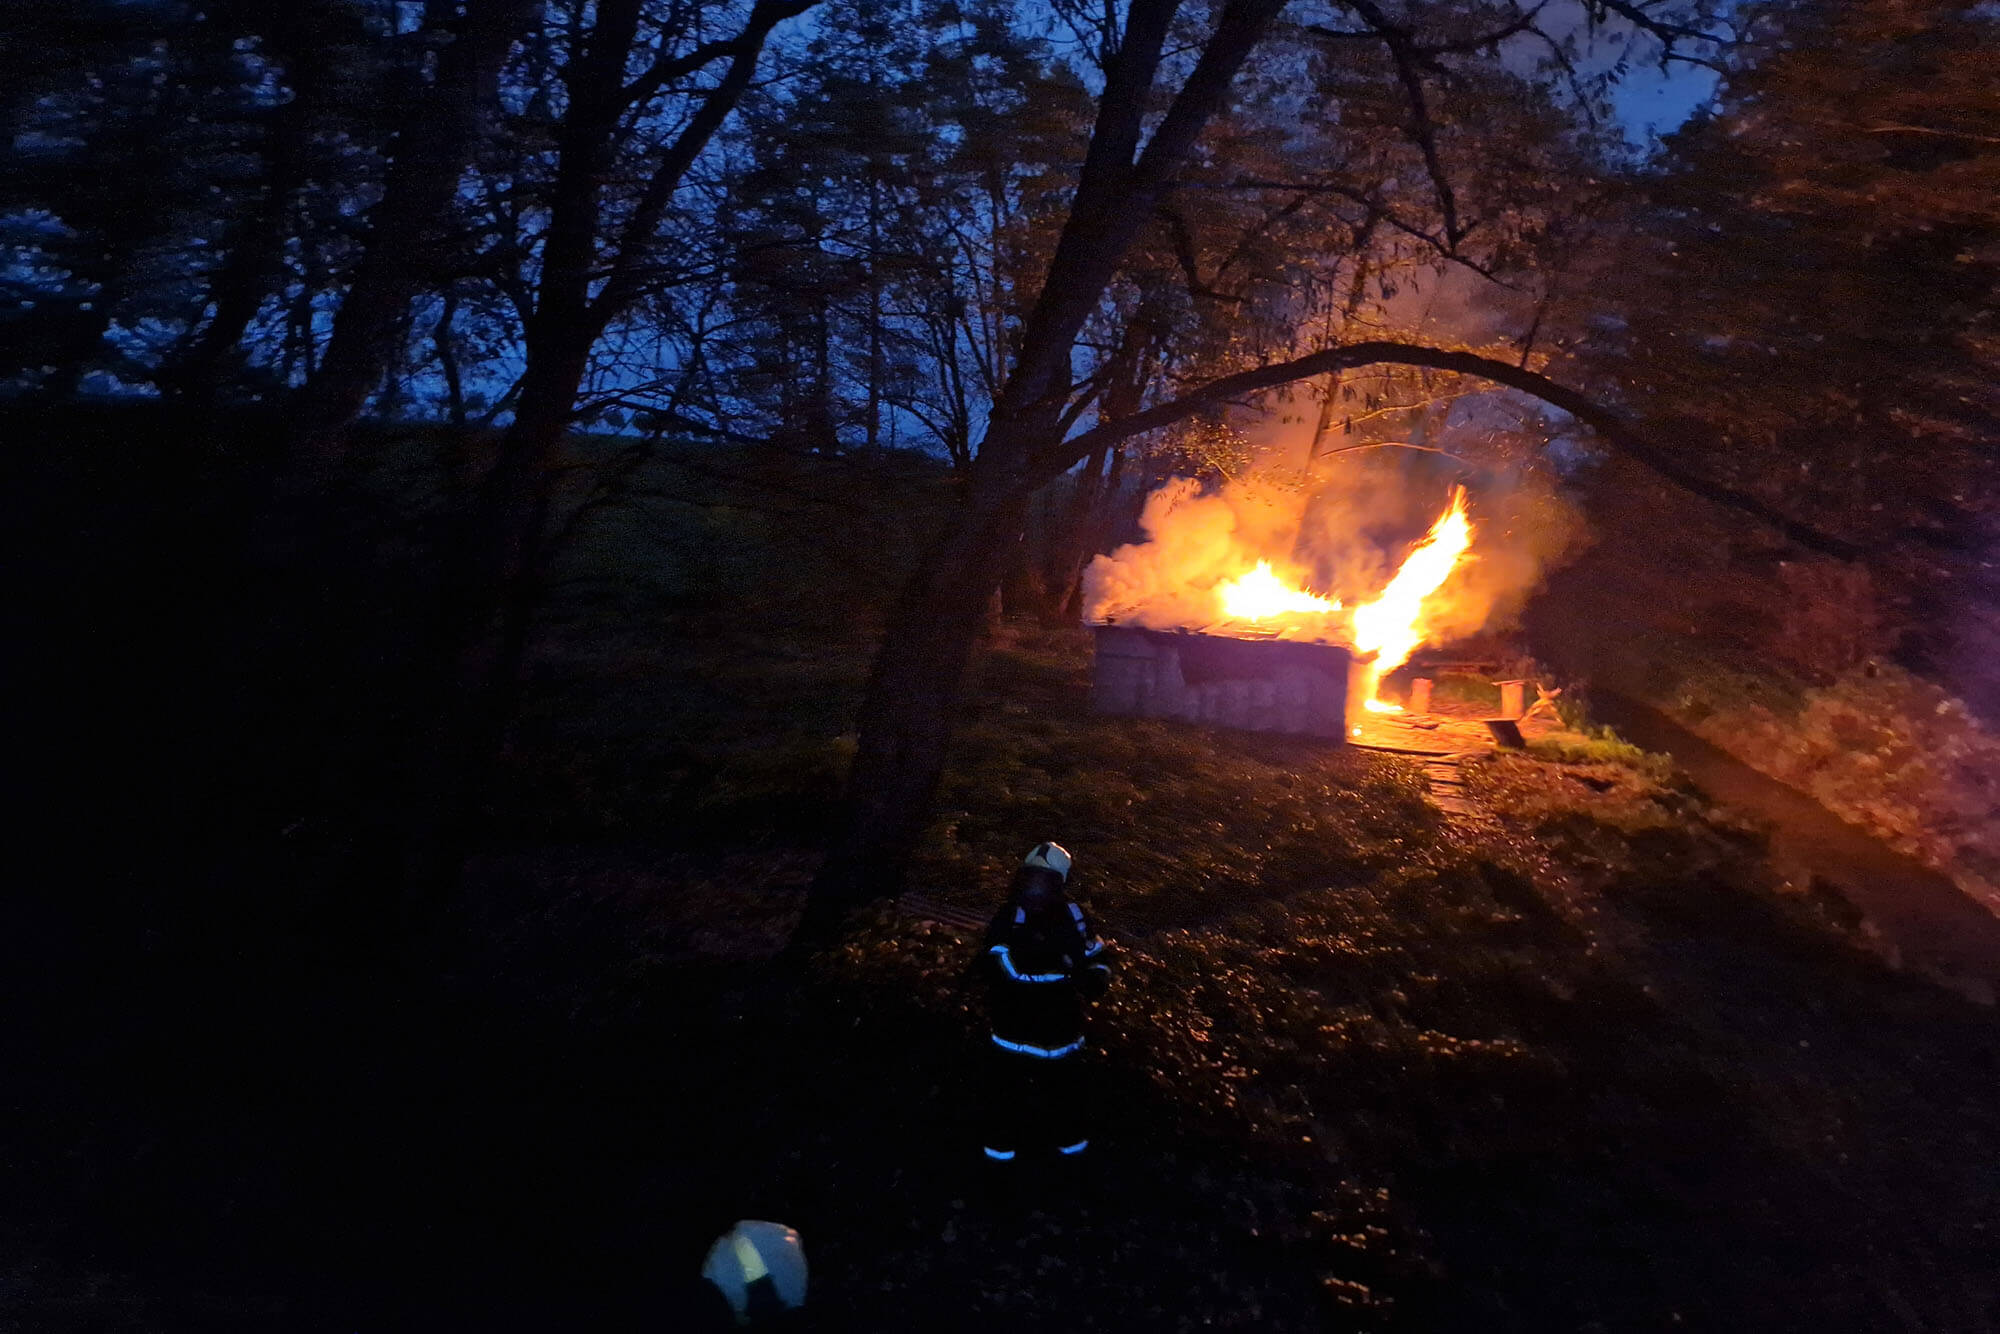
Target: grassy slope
(1577, 1064)
(1573, 1066)
(1790, 665)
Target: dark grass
(1582, 1065)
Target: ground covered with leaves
(1577, 1064)
(1576, 1061)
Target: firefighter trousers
(1034, 1105)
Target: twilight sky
(1651, 102)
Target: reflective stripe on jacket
(1040, 974)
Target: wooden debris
(916, 903)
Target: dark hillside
(1577, 1061)
(1811, 670)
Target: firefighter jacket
(1040, 973)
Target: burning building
(1259, 685)
(1236, 644)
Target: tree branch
(1660, 28)
(1182, 238)
(666, 70)
(1408, 60)
(1394, 444)
(1669, 35)
(637, 240)
(1925, 129)
(1611, 427)
(1428, 51)
(1378, 212)
(1114, 198)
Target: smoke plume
(1339, 526)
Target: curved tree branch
(1396, 444)
(1611, 427)
(1926, 129)
(1427, 51)
(1667, 32)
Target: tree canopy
(1022, 237)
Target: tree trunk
(447, 355)
(483, 598)
(488, 597)
(511, 517)
(482, 630)
(1024, 564)
(1096, 533)
(909, 712)
(1070, 546)
(195, 373)
(874, 422)
(907, 716)
(822, 432)
(1077, 534)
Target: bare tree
(593, 269)
(410, 227)
(587, 281)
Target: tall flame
(1261, 594)
(1388, 625)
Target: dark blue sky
(1651, 102)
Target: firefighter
(1043, 962)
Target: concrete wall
(1254, 684)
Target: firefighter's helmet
(760, 1269)
(1049, 857)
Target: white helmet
(759, 1267)
(1049, 857)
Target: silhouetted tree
(155, 155)
(412, 223)
(1804, 290)
(617, 173)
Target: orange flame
(1261, 594)
(1389, 625)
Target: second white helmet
(1049, 857)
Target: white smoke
(1339, 526)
